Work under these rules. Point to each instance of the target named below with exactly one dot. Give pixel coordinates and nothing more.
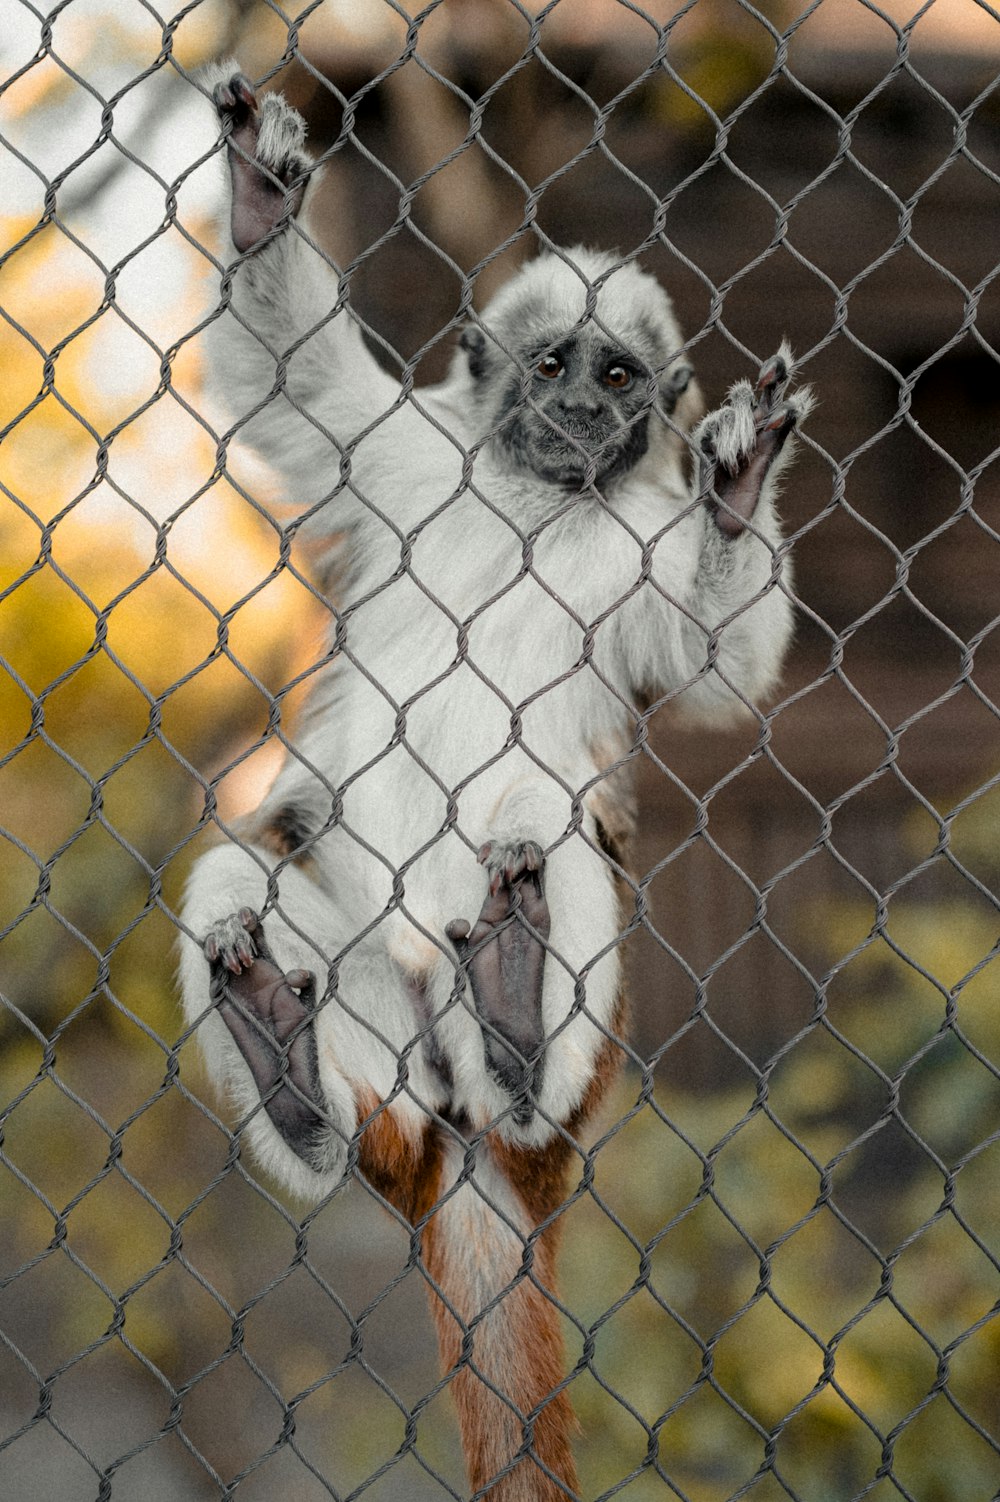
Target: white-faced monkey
(407, 962)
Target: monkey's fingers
(741, 441)
(229, 942)
(268, 184)
(739, 492)
(532, 906)
(458, 932)
(771, 384)
(303, 981)
(235, 99)
(779, 421)
(507, 863)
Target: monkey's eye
(618, 376)
(549, 366)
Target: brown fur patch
(612, 802)
(539, 1173)
(284, 832)
(401, 1163)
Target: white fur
(404, 717)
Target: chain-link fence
(779, 1234)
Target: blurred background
(784, 1278)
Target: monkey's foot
(269, 1015)
(504, 953)
(267, 164)
(741, 441)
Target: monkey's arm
(287, 357)
(737, 621)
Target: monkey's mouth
(568, 458)
(570, 451)
(580, 431)
(577, 430)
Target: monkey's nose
(580, 412)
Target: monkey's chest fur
(515, 656)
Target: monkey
(405, 964)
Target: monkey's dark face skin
(589, 403)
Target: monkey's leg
(268, 166)
(505, 956)
(741, 441)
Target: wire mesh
(780, 1237)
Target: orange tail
(494, 1300)
(499, 1331)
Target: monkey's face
(587, 411)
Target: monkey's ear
(673, 386)
(681, 397)
(473, 341)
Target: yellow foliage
(116, 599)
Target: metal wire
(795, 1275)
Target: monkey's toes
(504, 953)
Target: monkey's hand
(504, 954)
(741, 441)
(270, 1016)
(268, 166)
